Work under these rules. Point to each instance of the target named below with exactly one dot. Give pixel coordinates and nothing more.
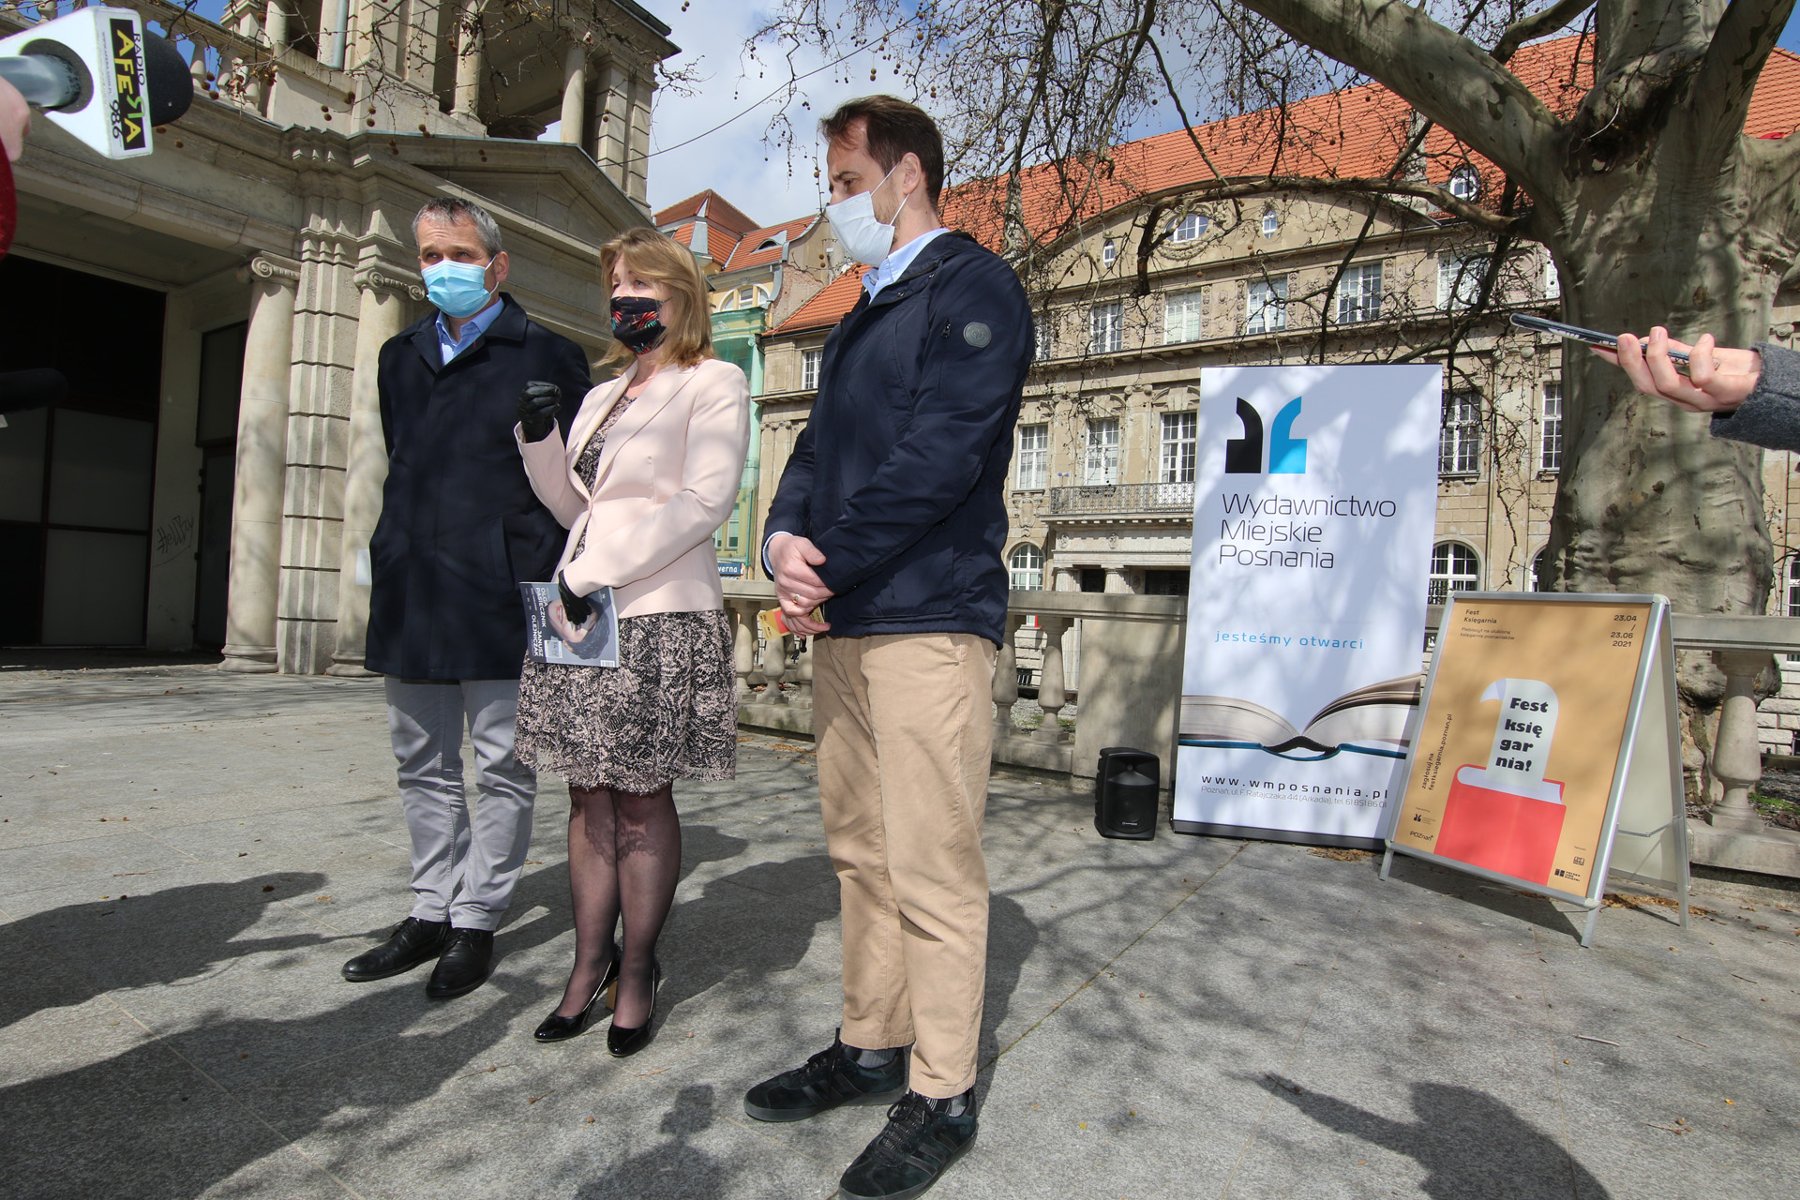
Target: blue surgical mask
(458, 289)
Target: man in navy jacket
(459, 530)
(890, 518)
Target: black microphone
(55, 79)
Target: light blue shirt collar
(894, 265)
(472, 328)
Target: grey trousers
(464, 864)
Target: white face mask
(865, 239)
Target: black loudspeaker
(1125, 801)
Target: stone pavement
(187, 857)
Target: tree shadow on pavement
(672, 1170)
(81, 951)
(1473, 1146)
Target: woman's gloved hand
(538, 402)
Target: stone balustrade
(1129, 653)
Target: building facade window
(1026, 564)
(1265, 305)
(1550, 437)
(1271, 224)
(1109, 252)
(1179, 439)
(1359, 293)
(1460, 276)
(1101, 463)
(1181, 317)
(1454, 568)
(809, 368)
(1465, 183)
(1031, 471)
(1187, 228)
(1459, 438)
(1541, 580)
(1043, 335)
(1106, 328)
(1552, 280)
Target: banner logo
(1287, 453)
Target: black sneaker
(829, 1078)
(921, 1139)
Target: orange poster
(1519, 747)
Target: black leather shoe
(412, 942)
(830, 1078)
(922, 1138)
(560, 1029)
(464, 964)
(622, 1042)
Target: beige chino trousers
(904, 724)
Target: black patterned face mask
(637, 322)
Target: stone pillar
(275, 24)
(743, 645)
(574, 95)
(1051, 696)
(612, 123)
(382, 314)
(637, 141)
(261, 464)
(335, 34)
(1737, 758)
(1117, 582)
(1006, 675)
(470, 58)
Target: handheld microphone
(97, 73)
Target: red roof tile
(752, 251)
(828, 306)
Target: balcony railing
(1130, 656)
(1123, 499)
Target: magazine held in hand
(550, 638)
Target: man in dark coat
(459, 530)
(890, 517)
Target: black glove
(576, 608)
(538, 402)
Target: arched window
(1543, 576)
(1454, 568)
(1271, 223)
(1465, 183)
(1027, 563)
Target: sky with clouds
(763, 180)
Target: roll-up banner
(1315, 501)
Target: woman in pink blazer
(648, 472)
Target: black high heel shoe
(622, 1042)
(560, 1029)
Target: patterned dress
(668, 711)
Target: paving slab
(187, 857)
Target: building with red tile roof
(1219, 246)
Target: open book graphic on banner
(550, 638)
(1369, 720)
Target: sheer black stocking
(624, 860)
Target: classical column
(574, 95)
(256, 494)
(335, 33)
(382, 314)
(637, 141)
(469, 60)
(275, 24)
